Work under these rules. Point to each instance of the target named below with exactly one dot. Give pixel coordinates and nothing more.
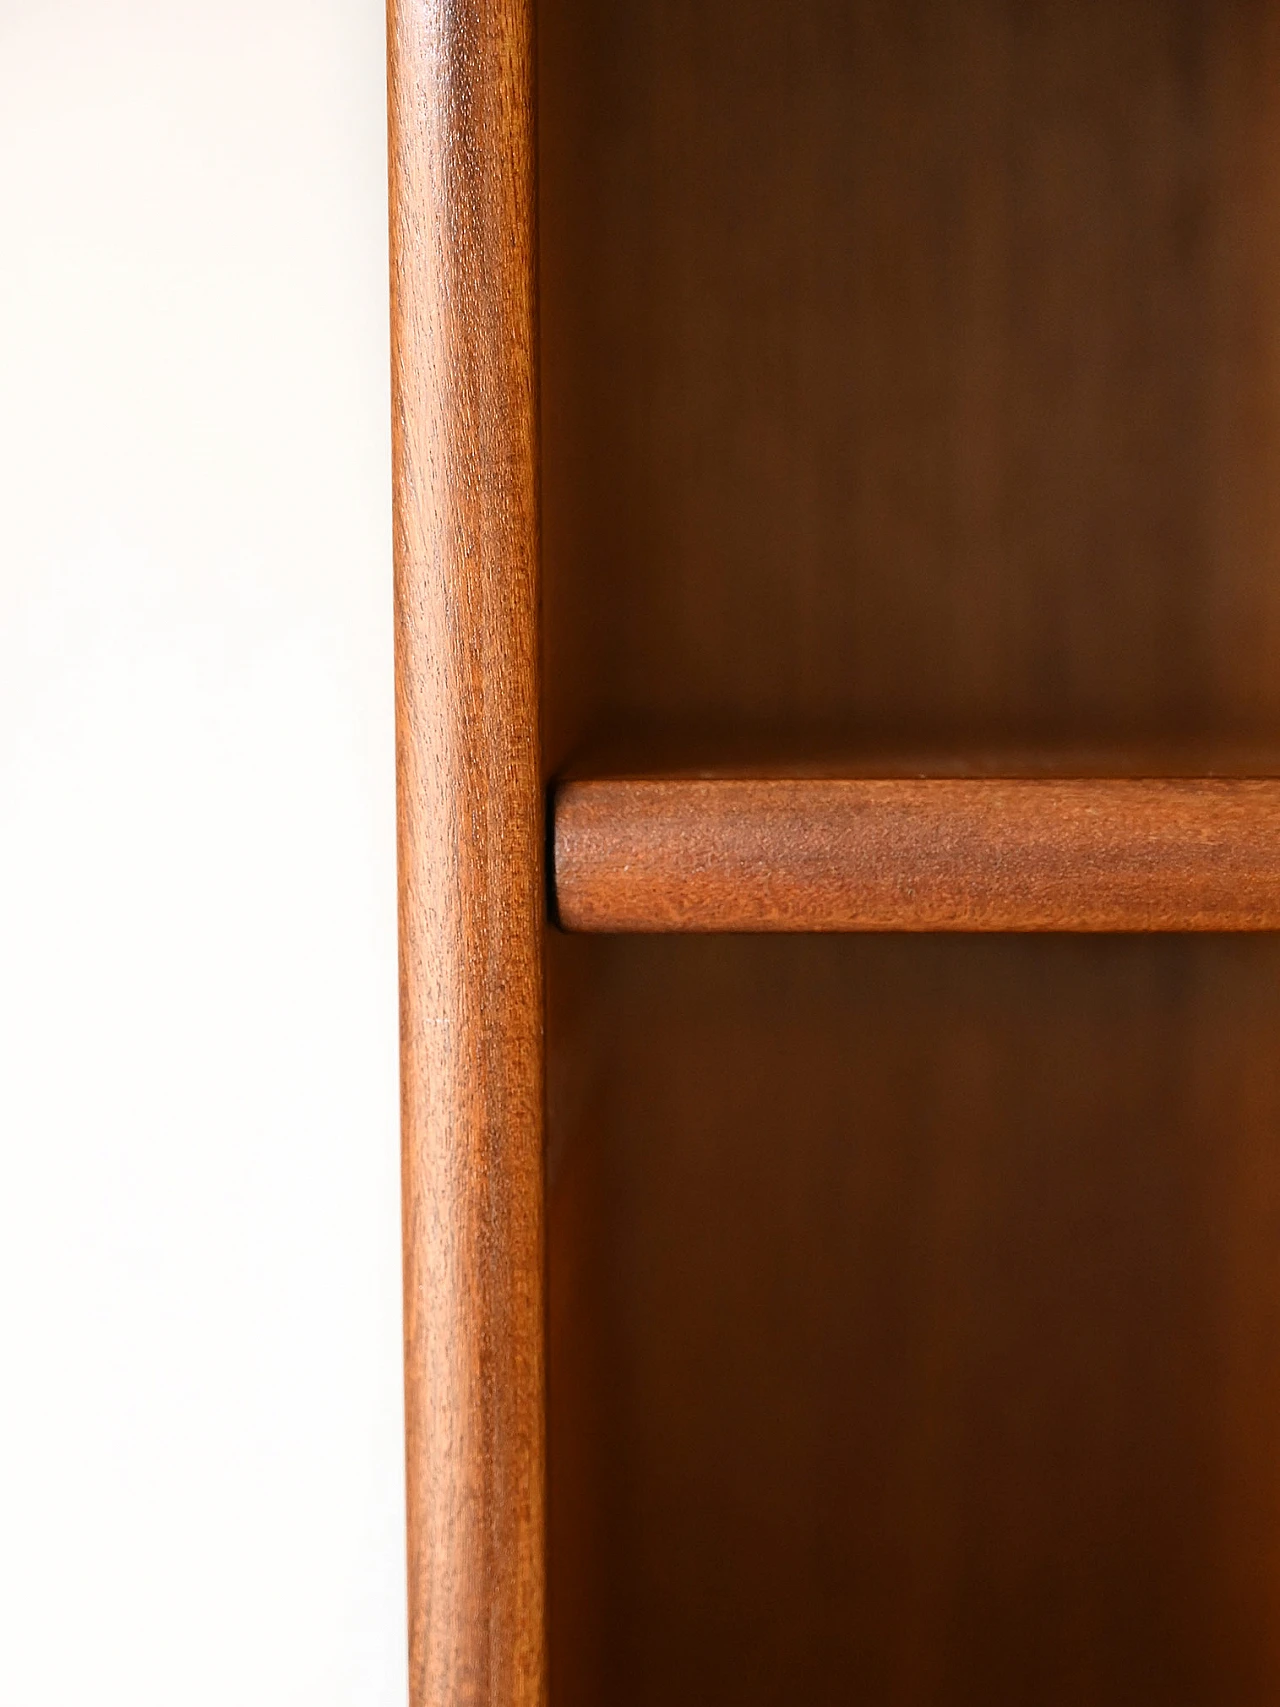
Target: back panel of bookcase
(912, 370)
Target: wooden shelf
(918, 853)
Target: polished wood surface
(909, 370)
(910, 375)
(932, 1296)
(938, 854)
(470, 841)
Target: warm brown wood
(932, 1293)
(471, 897)
(910, 368)
(910, 372)
(683, 753)
(939, 854)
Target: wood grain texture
(470, 839)
(939, 854)
(939, 1302)
(910, 369)
(910, 374)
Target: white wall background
(200, 1439)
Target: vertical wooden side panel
(470, 844)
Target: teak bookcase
(838, 675)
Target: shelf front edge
(918, 854)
